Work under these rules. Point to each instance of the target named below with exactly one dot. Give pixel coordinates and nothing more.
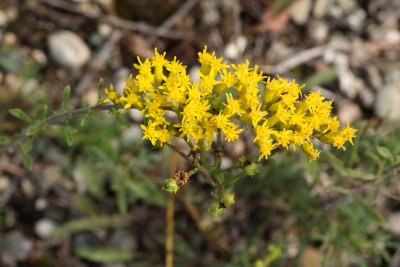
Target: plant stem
(57, 118)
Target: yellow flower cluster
(224, 96)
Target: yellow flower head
(279, 117)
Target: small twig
(307, 55)
(167, 24)
(98, 61)
(11, 168)
(315, 52)
(56, 118)
(117, 22)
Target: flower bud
(251, 169)
(204, 144)
(215, 209)
(228, 199)
(170, 185)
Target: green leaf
(32, 130)
(103, 254)
(100, 85)
(68, 132)
(339, 189)
(4, 139)
(385, 153)
(373, 213)
(89, 176)
(145, 190)
(65, 96)
(84, 204)
(28, 161)
(86, 117)
(122, 201)
(91, 223)
(41, 113)
(18, 113)
(27, 146)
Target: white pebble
(394, 223)
(68, 49)
(45, 227)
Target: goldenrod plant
(226, 101)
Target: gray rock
(349, 112)
(387, 103)
(347, 5)
(394, 223)
(318, 30)
(68, 49)
(226, 162)
(17, 246)
(45, 227)
(320, 8)
(123, 240)
(136, 115)
(132, 135)
(300, 10)
(356, 20)
(3, 18)
(118, 79)
(236, 148)
(194, 75)
(236, 47)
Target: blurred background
(93, 196)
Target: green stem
(233, 167)
(53, 119)
(234, 178)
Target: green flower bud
(216, 103)
(170, 185)
(251, 169)
(215, 209)
(228, 199)
(204, 144)
(175, 106)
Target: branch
(54, 119)
(117, 22)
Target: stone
(300, 10)
(347, 6)
(118, 79)
(319, 8)
(356, 20)
(235, 48)
(3, 18)
(318, 30)
(136, 115)
(394, 223)
(194, 75)
(16, 246)
(104, 30)
(41, 204)
(132, 135)
(387, 104)
(236, 148)
(45, 227)
(68, 49)
(349, 112)
(226, 162)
